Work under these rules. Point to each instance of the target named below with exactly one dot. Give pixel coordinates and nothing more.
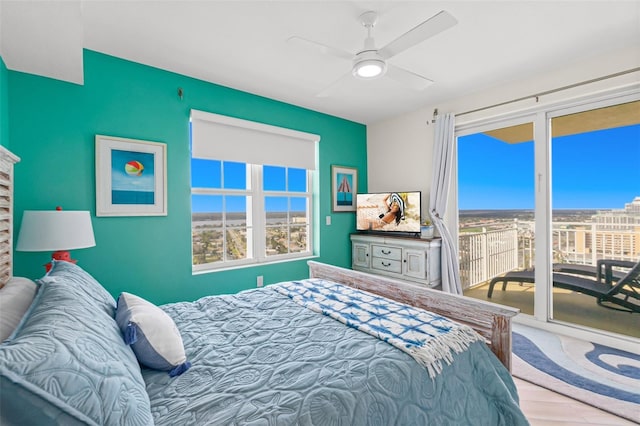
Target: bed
(289, 353)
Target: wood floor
(544, 408)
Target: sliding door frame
(541, 116)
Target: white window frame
(256, 219)
(308, 194)
(256, 215)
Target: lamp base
(63, 255)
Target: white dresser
(405, 258)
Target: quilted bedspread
(430, 339)
(259, 358)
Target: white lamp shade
(53, 230)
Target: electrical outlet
(259, 281)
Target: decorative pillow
(83, 284)
(15, 298)
(66, 362)
(152, 334)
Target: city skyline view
(592, 170)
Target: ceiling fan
(370, 62)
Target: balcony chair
(603, 269)
(612, 289)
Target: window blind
(226, 138)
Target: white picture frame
(344, 187)
(131, 177)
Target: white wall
(399, 150)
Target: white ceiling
(243, 44)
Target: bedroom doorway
(496, 202)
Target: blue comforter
(259, 358)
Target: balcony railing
(487, 254)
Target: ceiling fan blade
(407, 78)
(432, 26)
(326, 50)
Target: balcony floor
(569, 306)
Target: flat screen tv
(388, 212)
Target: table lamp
(55, 230)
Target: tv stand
(404, 257)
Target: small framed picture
(344, 187)
(131, 177)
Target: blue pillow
(152, 334)
(83, 285)
(66, 363)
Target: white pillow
(152, 334)
(15, 298)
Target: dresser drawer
(386, 265)
(404, 258)
(386, 252)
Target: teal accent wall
(4, 105)
(53, 127)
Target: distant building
(618, 232)
(578, 237)
(612, 234)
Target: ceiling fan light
(369, 68)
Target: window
(219, 200)
(496, 205)
(287, 216)
(252, 211)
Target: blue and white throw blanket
(427, 337)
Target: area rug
(597, 375)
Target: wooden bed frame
(491, 321)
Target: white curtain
(444, 147)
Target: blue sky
(595, 170)
(210, 174)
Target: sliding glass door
(550, 193)
(595, 169)
(496, 211)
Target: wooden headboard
(7, 160)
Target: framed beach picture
(344, 187)
(131, 177)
